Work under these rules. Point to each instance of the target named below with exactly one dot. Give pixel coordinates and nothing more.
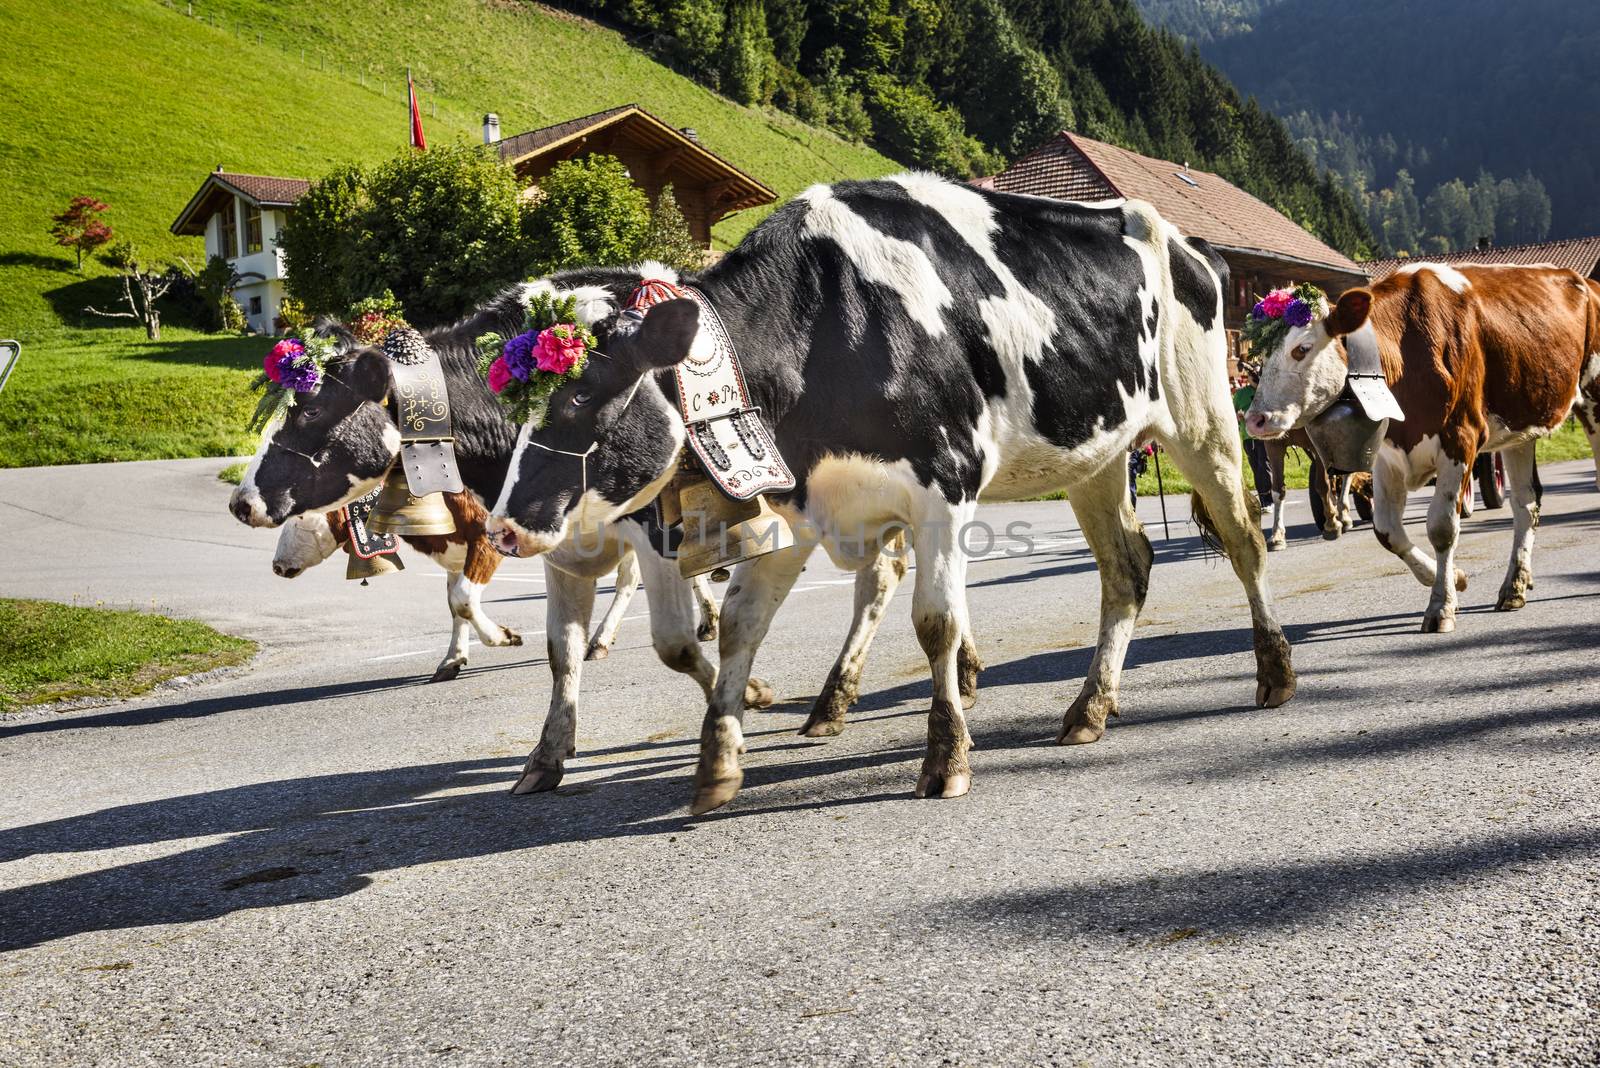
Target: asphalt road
(316, 861)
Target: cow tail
(1210, 536)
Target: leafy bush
(215, 284)
(588, 212)
(322, 242)
(80, 227)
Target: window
(229, 230)
(255, 305)
(252, 229)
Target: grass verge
(233, 474)
(58, 652)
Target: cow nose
(284, 570)
(240, 510)
(1256, 423)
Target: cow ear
(1350, 313)
(661, 338)
(369, 376)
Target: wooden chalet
(708, 188)
(1581, 254)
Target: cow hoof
(538, 780)
(707, 631)
(714, 794)
(943, 786)
(1276, 542)
(446, 673)
(597, 652)
(1510, 601)
(822, 726)
(1461, 581)
(1082, 734)
(511, 638)
(1331, 535)
(757, 694)
(1438, 623)
(1273, 696)
(1085, 721)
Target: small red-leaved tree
(80, 227)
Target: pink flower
(558, 348)
(270, 366)
(499, 375)
(1276, 302)
(285, 351)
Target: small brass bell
(719, 532)
(365, 567)
(398, 512)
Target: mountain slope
(1478, 83)
(133, 101)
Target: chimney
(491, 128)
(689, 132)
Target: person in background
(1255, 451)
(1138, 464)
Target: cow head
(307, 540)
(611, 439)
(1307, 372)
(332, 446)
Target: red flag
(418, 142)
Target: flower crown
(552, 350)
(294, 366)
(1279, 311)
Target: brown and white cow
(1480, 359)
(469, 562)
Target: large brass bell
(719, 532)
(365, 567)
(398, 512)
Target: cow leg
(466, 595)
(1588, 412)
(1341, 496)
(757, 589)
(707, 631)
(1519, 461)
(1123, 556)
(875, 586)
(455, 657)
(569, 605)
(1388, 520)
(939, 614)
(627, 583)
(1209, 458)
(1277, 455)
(1322, 487)
(1444, 528)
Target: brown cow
(1481, 359)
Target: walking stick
(1161, 491)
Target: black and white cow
(338, 443)
(918, 345)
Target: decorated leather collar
(422, 412)
(725, 430)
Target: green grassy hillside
(134, 101)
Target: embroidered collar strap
(725, 430)
(422, 411)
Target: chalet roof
(1581, 254)
(1201, 204)
(258, 189)
(736, 189)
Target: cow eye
(580, 398)
(1302, 350)
(310, 413)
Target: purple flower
(1298, 313)
(518, 354)
(302, 376)
(1259, 312)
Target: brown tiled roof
(1074, 167)
(266, 192)
(526, 144)
(259, 189)
(1581, 254)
